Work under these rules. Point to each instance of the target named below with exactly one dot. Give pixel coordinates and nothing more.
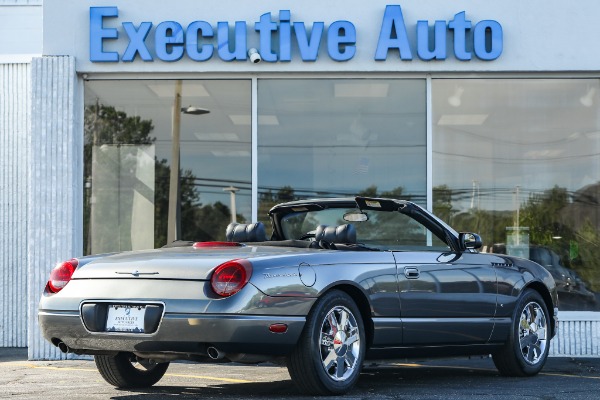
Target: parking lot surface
(459, 378)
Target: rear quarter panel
(311, 274)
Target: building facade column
(55, 198)
(15, 103)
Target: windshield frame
(417, 213)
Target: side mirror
(470, 240)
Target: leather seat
(246, 232)
(336, 234)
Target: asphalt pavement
(456, 378)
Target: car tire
(526, 351)
(329, 355)
(126, 370)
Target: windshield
(383, 230)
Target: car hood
(174, 263)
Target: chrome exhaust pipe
(214, 353)
(63, 347)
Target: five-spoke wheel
(526, 351)
(533, 333)
(329, 355)
(340, 343)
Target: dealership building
(125, 125)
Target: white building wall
(20, 40)
(15, 101)
(20, 30)
(55, 227)
(538, 35)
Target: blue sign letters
(137, 41)
(199, 40)
(393, 25)
(195, 31)
(98, 33)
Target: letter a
(393, 23)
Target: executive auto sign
(170, 41)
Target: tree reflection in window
(106, 126)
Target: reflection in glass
(382, 230)
(340, 138)
(517, 161)
(129, 126)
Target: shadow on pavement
(13, 354)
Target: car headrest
(246, 232)
(336, 234)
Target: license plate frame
(125, 318)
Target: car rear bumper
(178, 333)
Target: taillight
(199, 245)
(230, 277)
(61, 275)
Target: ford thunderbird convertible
(338, 281)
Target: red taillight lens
(230, 277)
(199, 245)
(61, 275)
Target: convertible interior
(340, 237)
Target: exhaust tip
(63, 347)
(214, 353)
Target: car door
(446, 297)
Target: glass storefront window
(132, 141)
(517, 160)
(340, 138)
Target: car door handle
(411, 273)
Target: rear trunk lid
(183, 263)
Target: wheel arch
(363, 305)
(545, 293)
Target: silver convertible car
(337, 282)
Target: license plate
(125, 318)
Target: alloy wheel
(533, 333)
(340, 343)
